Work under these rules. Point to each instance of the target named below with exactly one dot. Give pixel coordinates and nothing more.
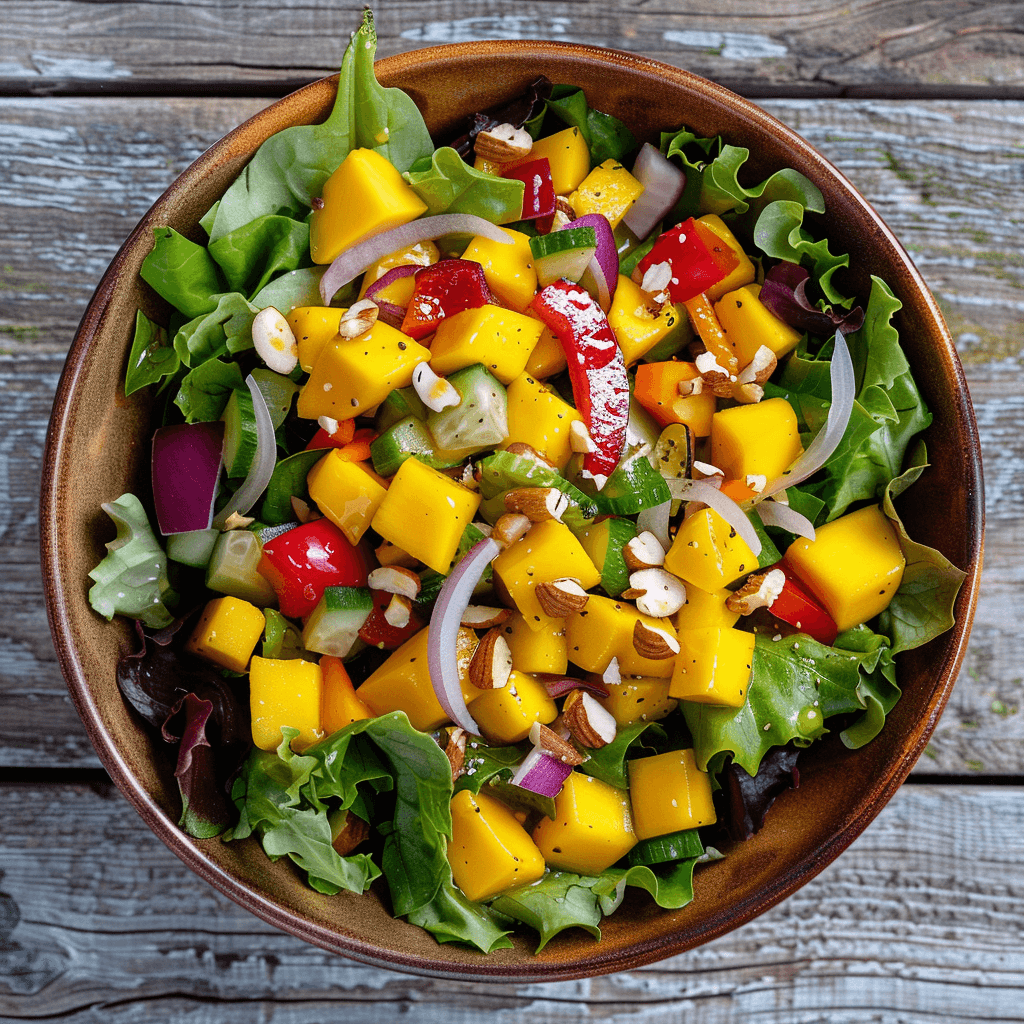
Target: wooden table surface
(921, 104)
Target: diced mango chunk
(713, 666)
(705, 608)
(506, 714)
(425, 513)
(657, 390)
(508, 269)
(592, 827)
(421, 254)
(762, 439)
(313, 327)
(348, 493)
(339, 705)
(604, 630)
(501, 339)
(639, 699)
(568, 157)
(708, 552)
(547, 358)
(853, 566)
(637, 329)
(669, 793)
(489, 851)
(536, 650)
(285, 692)
(539, 418)
(749, 323)
(227, 632)
(608, 189)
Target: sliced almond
(303, 512)
(491, 665)
(562, 597)
(395, 579)
(537, 503)
(653, 642)
(434, 392)
(691, 388)
(274, 340)
(479, 616)
(390, 554)
(757, 482)
(760, 591)
(522, 448)
(358, 318)
(590, 724)
(455, 751)
(398, 611)
(760, 368)
(664, 594)
(580, 440)
(503, 144)
(710, 474)
(612, 675)
(644, 551)
(554, 745)
(350, 835)
(509, 528)
(747, 394)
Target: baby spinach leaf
(606, 136)
(205, 391)
(558, 901)
(608, 763)
(484, 763)
(295, 288)
(152, 358)
(253, 254)
(450, 185)
(227, 327)
(182, 272)
(132, 578)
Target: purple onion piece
(602, 273)
(186, 471)
(541, 773)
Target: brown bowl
(98, 438)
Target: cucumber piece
(480, 420)
(192, 548)
(685, 845)
(240, 434)
(409, 438)
(673, 452)
(603, 543)
(333, 627)
(278, 392)
(399, 404)
(564, 253)
(233, 569)
(633, 486)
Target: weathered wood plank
(822, 46)
(79, 173)
(920, 921)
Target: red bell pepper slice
(301, 563)
(378, 632)
(538, 190)
(596, 369)
(341, 437)
(444, 289)
(797, 607)
(695, 267)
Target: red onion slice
(663, 184)
(452, 602)
(352, 262)
(655, 520)
(541, 773)
(186, 470)
(263, 463)
(391, 313)
(772, 513)
(819, 451)
(701, 490)
(602, 273)
(559, 686)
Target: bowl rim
(190, 851)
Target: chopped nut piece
(691, 388)
(237, 522)
(479, 616)
(561, 597)
(632, 593)
(434, 392)
(358, 318)
(664, 594)
(748, 394)
(395, 579)
(715, 376)
(509, 528)
(554, 745)
(327, 424)
(711, 474)
(455, 751)
(757, 482)
(303, 512)
(503, 144)
(654, 284)
(492, 663)
(590, 724)
(274, 341)
(350, 835)
(398, 611)
(537, 503)
(654, 643)
(760, 368)
(759, 591)
(612, 676)
(580, 440)
(644, 551)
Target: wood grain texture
(824, 46)
(919, 922)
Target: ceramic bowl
(98, 440)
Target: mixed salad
(524, 505)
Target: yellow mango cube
(749, 324)
(708, 552)
(568, 157)
(421, 254)
(365, 196)
(755, 440)
(608, 189)
(705, 608)
(604, 630)
(744, 273)
(547, 358)
(853, 566)
(506, 714)
(548, 552)
(639, 699)
(669, 793)
(637, 330)
(353, 375)
(507, 268)
(501, 339)
(537, 650)
(425, 513)
(539, 418)
(592, 827)
(713, 666)
(489, 850)
(348, 493)
(313, 327)
(339, 705)
(285, 692)
(227, 632)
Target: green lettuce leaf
(608, 763)
(205, 391)
(296, 288)
(484, 763)
(182, 272)
(253, 254)
(152, 358)
(289, 170)
(877, 691)
(671, 885)
(132, 578)
(226, 328)
(560, 900)
(450, 917)
(450, 185)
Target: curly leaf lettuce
(132, 578)
(560, 900)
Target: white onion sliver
(819, 451)
(772, 513)
(701, 490)
(655, 520)
(663, 184)
(452, 602)
(541, 773)
(352, 262)
(263, 463)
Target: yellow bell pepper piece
(755, 440)
(348, 493)
(608, 189)
(708, 552)
(285, 692)
(508, 269)
(713, 666)
(506, 714)
(669, 793)
(501, 339)
(539, 418)
(227, 632)
(339, 705)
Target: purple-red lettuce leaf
(517, 111)
(784, 292)
(746, 799)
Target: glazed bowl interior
(98, 442)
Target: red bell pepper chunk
(695, 268)
(797, 607)
(538, 189)
(596, 369)
(444, 289)
(378, 632)
(341, 437)
(301, 563)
